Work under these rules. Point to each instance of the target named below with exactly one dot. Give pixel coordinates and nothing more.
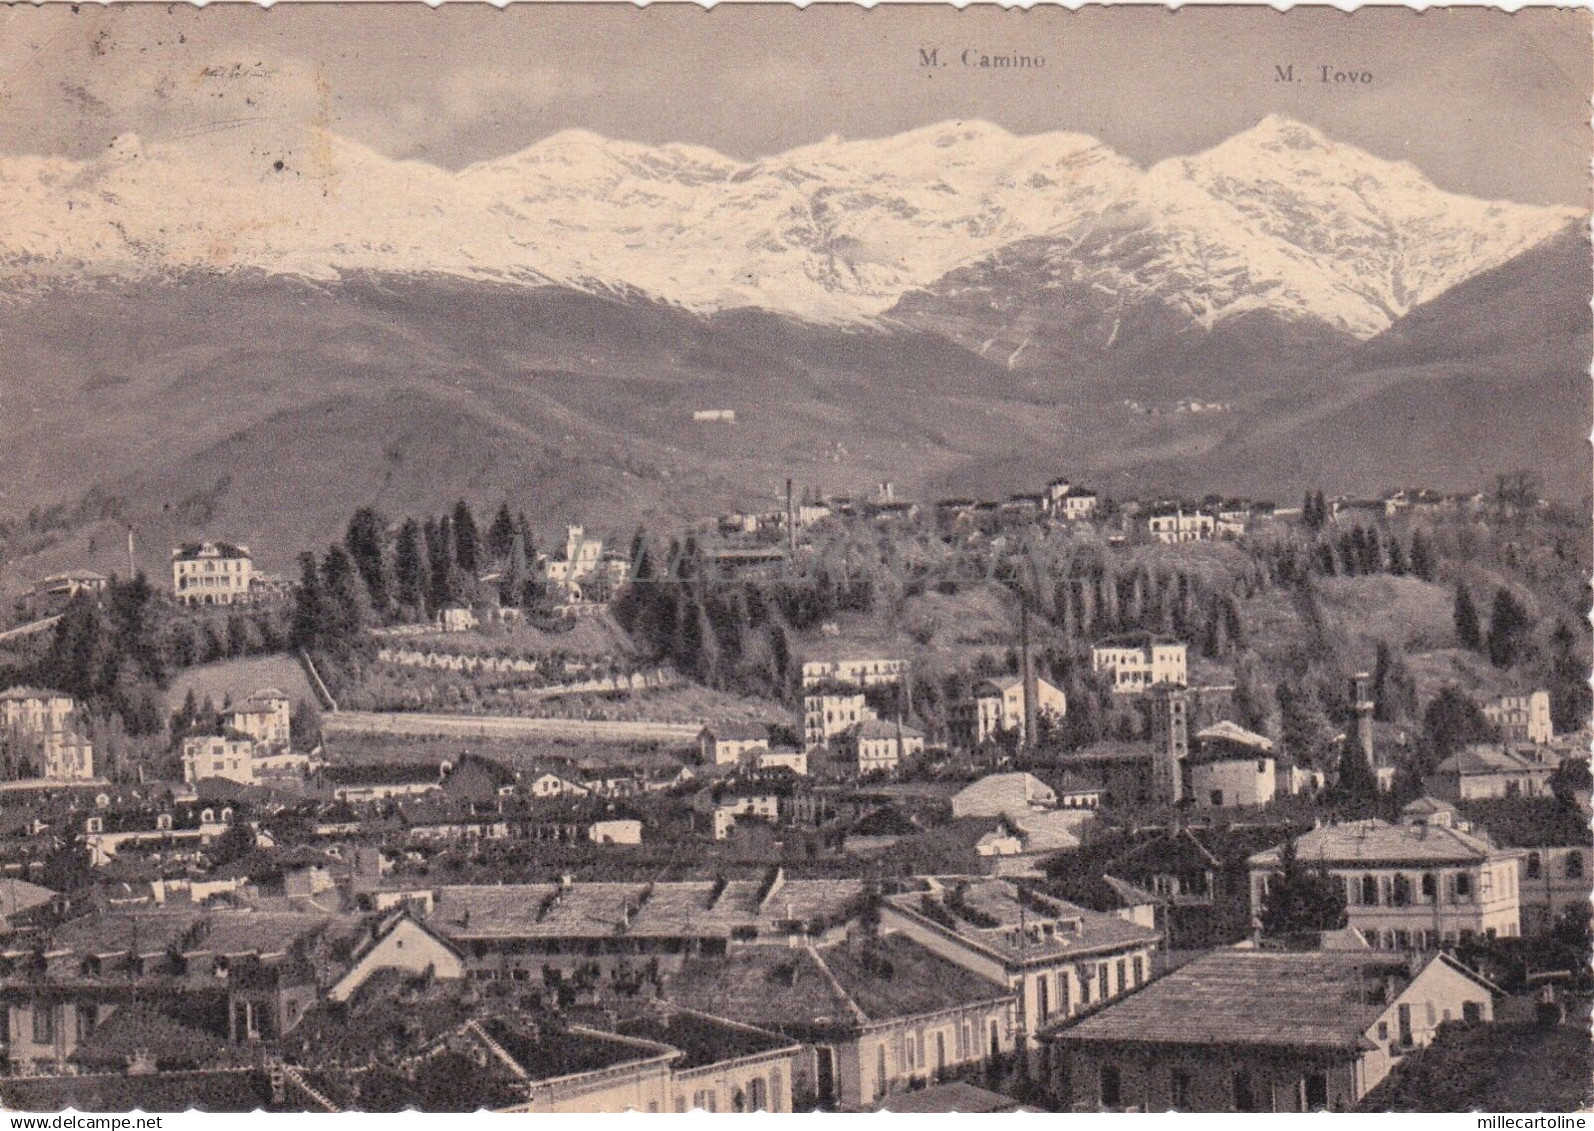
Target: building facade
(212, 573)
(1135, 665)
(1409, 887)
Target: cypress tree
(309, 610)
(467, 542)
(411, 576)
(501, 535)
(365, 542)
(1421, 556)
(1509, 629)
(1468, 634)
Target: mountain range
(246, 337)
(1279, 219)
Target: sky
(1484, 103)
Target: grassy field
(1415, 615)
(239, 678)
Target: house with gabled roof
(1255, 1030)
(1057, 957)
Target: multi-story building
(30, 710)
(219, 756)
(1231, 766)
(66, 756)
(1135, 663)
(1180, 525)
(871, 672)
(1059, 959)
(1557, 848)
(881, 1014)
(727, 744)
(1409, 887)
(829, 712)
(997, 705)
(212, 573)
(38, 735)
(1258, 1030)
(580, 557)
(877, 745)
(249, 975)
(1522, 718)
(1068, 502)
(1482, 771)
(266, 716)
(511, 932)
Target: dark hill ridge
(266, 409)
(1490, 376)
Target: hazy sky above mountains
(1484, 103)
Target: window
(1140, 969)
(1463, 887)
(1316, 1092)
(1101, 984)
(880, 1066)
(1064, 1005)
(1535, 866)
(1401, 891)
(1404, 1013)
(1111, 1086)
(1402, 940)
(1121, 978)
(1574, 865)
(1244, 1095)
(87, 1019)
(1043, 1005)
(1430, 888)
(43, 1025)
(1370, 891)
(1179, 1086)
(1486, 881)
(1217, 797)
(1472, 1012)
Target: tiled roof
(1024, 933)
(702, 1039)
(881, 728)
(1374, 841)
(1479, 759)
(804, 988)
(24, 692)
(953, 1096)
(1319, 999)
(1234, 733)
(693, 909)
(738, 732)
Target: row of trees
(116, 652)
(1511, 626)
(382, 574)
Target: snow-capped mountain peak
(1279, 217)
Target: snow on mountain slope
(1303, 226)
(1278, 219)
